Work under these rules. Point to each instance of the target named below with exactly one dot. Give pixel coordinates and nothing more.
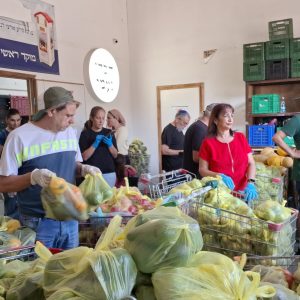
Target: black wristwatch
(251, 180)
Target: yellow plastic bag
(92, 273)
(28, 284)
(95, 190)
(162, 237)
(210, 276)
(63, 201)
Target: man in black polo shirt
(194, 136)
(172, 140)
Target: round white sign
(104, 75)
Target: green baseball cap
(54, 97)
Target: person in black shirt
(98, 145)
(172, 140)
(194, 136)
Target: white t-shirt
(121, 135)
(29, 147)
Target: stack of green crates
(254, 61)
(278, 58)
(295, 57)
(278, 49)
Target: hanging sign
(30, 46)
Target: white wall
(82, 26)
(167, 39)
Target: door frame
(159, 89)
(31, 87)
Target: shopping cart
(91, 230)
(157, 186)
(234, 233)
(287, 262)
(24, 253)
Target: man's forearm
(171, 152)
(14, 183)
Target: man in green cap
(35, 152)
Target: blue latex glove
(98, 140)
(108, 141)
(228, 181)
(250, 192)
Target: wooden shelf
(286, 114)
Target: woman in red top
(227, 153)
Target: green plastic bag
(28, 284)
(65, 294)
(162, 237)
(209, 275)
(92, 273)
(95, 190)
(145, 292)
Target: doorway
(171, 98)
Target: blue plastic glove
(98, 140)
(228, 181)
(108, 141)
(250, 192)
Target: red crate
(22, 104)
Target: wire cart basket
(287, 262)
(91, 230)
(270, 187)
(233, 234)
(157, 186)
(24, 253)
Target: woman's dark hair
(88, 124)
(215, 114)
(120, 166)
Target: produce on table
(162, 237)
(95, 190)
(208, 275)
(63, 201)
(269, 157)
(139, 156)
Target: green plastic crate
(288, 139)
(278, 49)
(254, 52)
(281, 29)
(265, 103)
(295, 67)
(295, 48)
(254, 71)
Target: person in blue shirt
(13, 120)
